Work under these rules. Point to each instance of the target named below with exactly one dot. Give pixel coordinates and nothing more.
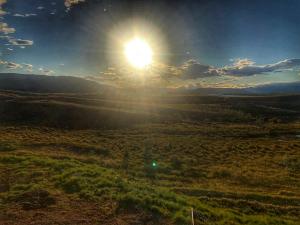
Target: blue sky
(224, 40)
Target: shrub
(6, 146)
(181, 219)
(35, 199)
(176, 163)
(72, 185)
(223, 173)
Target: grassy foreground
(228, 173)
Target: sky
(196, 43)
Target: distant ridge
(69, 84)
(266, 89)
(48, 84)
(276, 88)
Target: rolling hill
(70, 84)
(47, 84)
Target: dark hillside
(47, 84)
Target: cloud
(24, 15)
(189, 70)
(46, 71)
(10, 65)
(4, 28)
(193, 70)
(191, 73)
(27, 67)
(24, 67)
(245, 67)
(5, 37)
(240, 68)
(240, 63)
(2, 12)
(20, 42)
(69, 3)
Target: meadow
(88, 159)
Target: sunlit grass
(245, 181)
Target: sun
(139, 53)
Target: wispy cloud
(10, 65)
(245, 67)
(2, 12)
(24, 15)
(193, 70)
(192, 74)
(46, 71)
(69, 3)
(5, 29)
(240, 68)
(27, 67)
(20, 42)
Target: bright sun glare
(138, 53)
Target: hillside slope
(47, 84)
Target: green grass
(90, 159)
(95, 183)
(225, 182)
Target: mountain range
(70, 84)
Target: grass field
(67, 159)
